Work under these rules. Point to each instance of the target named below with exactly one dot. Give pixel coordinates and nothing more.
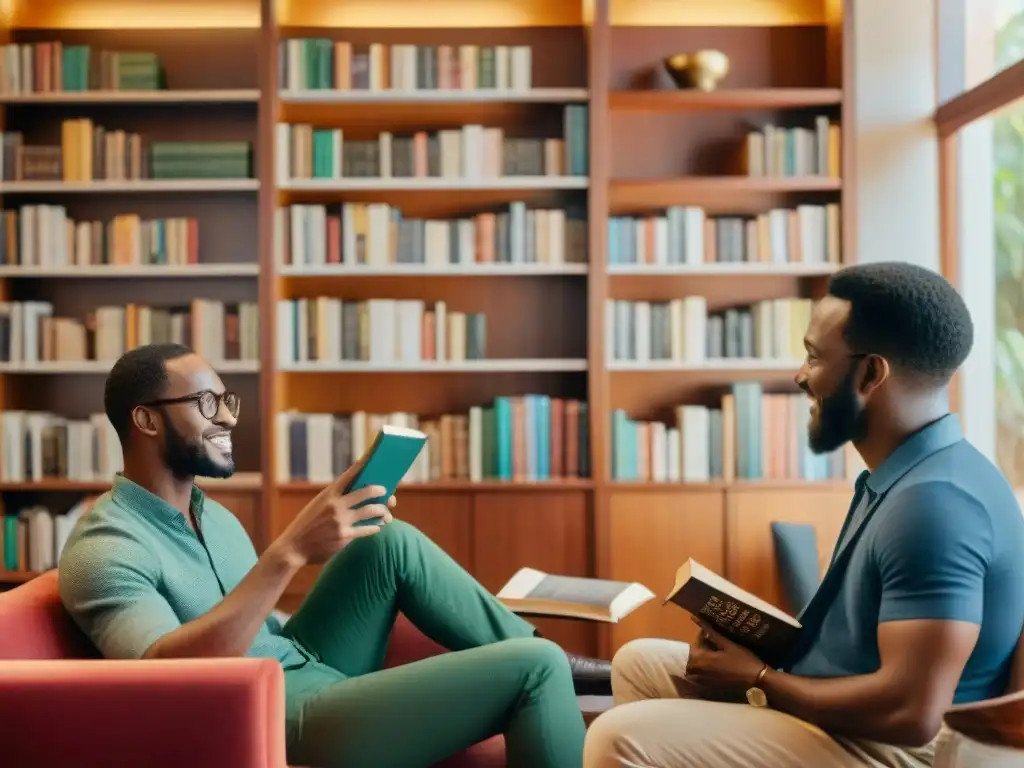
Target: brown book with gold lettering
(735, 613)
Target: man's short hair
(138, 377)
(907, 314)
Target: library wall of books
(581, 267)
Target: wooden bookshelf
(650, 146)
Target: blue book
(391, 456)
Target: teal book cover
(394, 451)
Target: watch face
(756, 697)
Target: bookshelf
(96, 246)
(278, 238)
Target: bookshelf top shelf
(436, 184)
(429, 270)
(133, 186)
(725, 99)
(535, 365)
(233, 96)
(238, 481)
(716, 194)
(474, 96)
(103, 366)
(723, 269)
(120, 271)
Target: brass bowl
(703, 70)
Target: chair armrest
(131, 713)
(997, 722)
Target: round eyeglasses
(208, 402)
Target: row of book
(525, 438)
(683, 330)
(751, 435)
(795, 152)
(378, 235)
(45, 236)
(30, 332)
(326, 329)
(470, 152)
(323, 64)
(40, 445)
(89, 152)
(33, 538)
(54, 67)
(807, 234)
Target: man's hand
(329, 522)
(718, 669)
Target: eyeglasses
(208, 402)
(810, 359)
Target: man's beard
(191, 458)
(841, 418)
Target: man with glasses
(158, 570)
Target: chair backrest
(35, 625)
(796, 558)
(1016, 682)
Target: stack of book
(200, 160)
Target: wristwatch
(755, 696)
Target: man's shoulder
(106, 531)
(953, 498)
(957, 476)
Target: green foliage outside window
(1008, 148)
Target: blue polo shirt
(935, 532)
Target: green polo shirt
(133, 570)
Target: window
(982, 159)
(976, 46)
(1007, 220)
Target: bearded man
(923, 602)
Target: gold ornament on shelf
(703, 70)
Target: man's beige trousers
(650, 726)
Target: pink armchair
(62, 705)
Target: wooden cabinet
(652, 533)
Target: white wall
(896, 177)
(895, 148)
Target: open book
(535, 592)
(735, 613)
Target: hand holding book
(719, 669)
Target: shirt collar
(912, 451)
(132, 495)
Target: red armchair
(62, 705)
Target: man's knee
(392, 536)
(537, 660)
(609, 743)
(539, 653)
(630, 661)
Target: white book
(531, 591)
